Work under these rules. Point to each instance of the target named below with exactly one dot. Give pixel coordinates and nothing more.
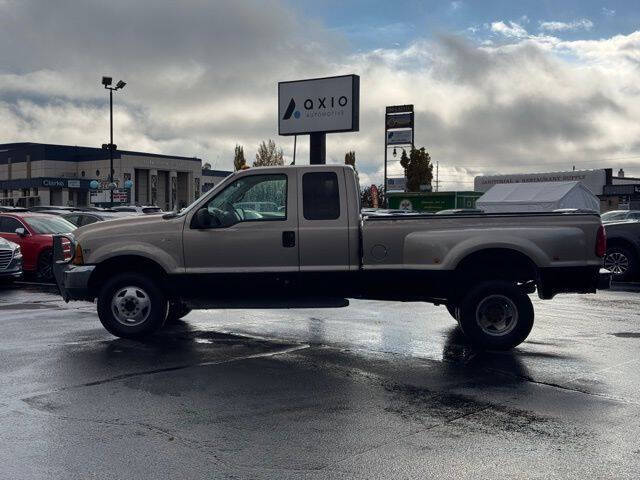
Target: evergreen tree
(268, 155)
(418, 168)
(238, 158)
(350, 158)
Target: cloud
(202, 77)
(513, 29)
(582, 24)
(456, 5)
(608, 12)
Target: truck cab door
(253, 230)
(323, 220)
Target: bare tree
(268, 155)
(238, 158)
(350, 158)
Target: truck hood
(122, 226)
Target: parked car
(460, 211)
(623, 249)
(8, 208)
(318, 249)
(619, 215)
(147, 209)
(33, 232)
(58, 208)
(10, 261)
(80, 219)
(390, 211)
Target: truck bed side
(443, 242)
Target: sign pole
(295, 141)
(318, 148)
(386, 148)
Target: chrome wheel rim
(131, 306)
(497, 315)
(617, 263)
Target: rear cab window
(320, 196)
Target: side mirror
(203, 219)
(20, 231)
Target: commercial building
(614, 192)
(211, 178)
(43, 174)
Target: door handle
(288, 239)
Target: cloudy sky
(498, 86)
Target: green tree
(418, 168)
(238, 158)
(268, 155)
(206, 166)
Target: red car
(33, 232)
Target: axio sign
(325, 105)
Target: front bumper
(72, 280)
(13, 270)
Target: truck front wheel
(176, 311)
(496, 315)
(131, 305)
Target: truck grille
(5, 258)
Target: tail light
(601, 242)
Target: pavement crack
(32, 400)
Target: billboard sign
(403, 120)
(399, 109)
(319, 105)
(594, 180)
(120, 195)
(399, 137)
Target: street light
(107, 81)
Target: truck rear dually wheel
(131, 305)
(496, 315)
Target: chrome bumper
(72, 280)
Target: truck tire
(131, 305)
(176, 311)
(621, 262)
(496, 315)
(454, 311)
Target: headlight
(17, 253)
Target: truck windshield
(44, 225)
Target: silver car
(10, 261)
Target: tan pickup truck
(295, 236)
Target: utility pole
(106, 81)
(437, 178)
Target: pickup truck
(314, 248)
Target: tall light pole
(106, 81)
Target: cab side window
(320, 196)
(253, 198)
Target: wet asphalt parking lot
(375, 390)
